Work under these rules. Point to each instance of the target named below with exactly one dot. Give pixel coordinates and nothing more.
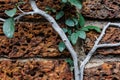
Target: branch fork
(96, 46)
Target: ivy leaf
(81, 34)
(69, 22)
(64, 1)
(84, 29)
(93, 28)
(75, 21)
(69, 31)
(76, 3)
(65, 30)
(74, 38)
(70, 62)
(11, 13)
(9, 27)
(59, 15)
(81, 20)
(61, 46)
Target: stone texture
(35, 70)
(106, 71)
(101, 9)
(31, 40)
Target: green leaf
(74, 38)
(61, 46)
(75, 21)
(11, 13)
(65, 30)
(84, 29)
(59, 15)
(81, 20)
(71, 64)
(69, 22)
(93, 28)
(69, 32)
(9, 27)
(76, 3)
(64, 1)
(69, 61)
(81, 34)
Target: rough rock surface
(31, 40)
(106, 71)
(101, 9)
(35, 70)
(112, 36)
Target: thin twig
(1, 19)
(20, 9)
(23, 14)
(97, 45)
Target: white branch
(97, 45)
(23, 14)
(20, 9)
(62, 35)
(1, 19)
(108, 45)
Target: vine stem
(57, 28)
(1, 19)
(96, 46)
(61, 33)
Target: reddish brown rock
(107, 71)
(101, 9)
(35, 70)
(31, 40)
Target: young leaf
(76, 3)
(59, 15)
(69, 31)
(71, 64)
(65, 30)
(64, 1)
(74, 38)
(61, 46)
(11, 13)
(69, 61)
(93, 28)
(8, 27)
(81, 34)
(84, 29)
(69, 22)
(75, 21)
(81, 20)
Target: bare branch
(23, 14)
(62, 35)
(1, 19)
(20, 9)
(108, 45)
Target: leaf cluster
(75, 24)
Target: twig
(23, 14)
(97, 45)
(20, 9)
(1, 19)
